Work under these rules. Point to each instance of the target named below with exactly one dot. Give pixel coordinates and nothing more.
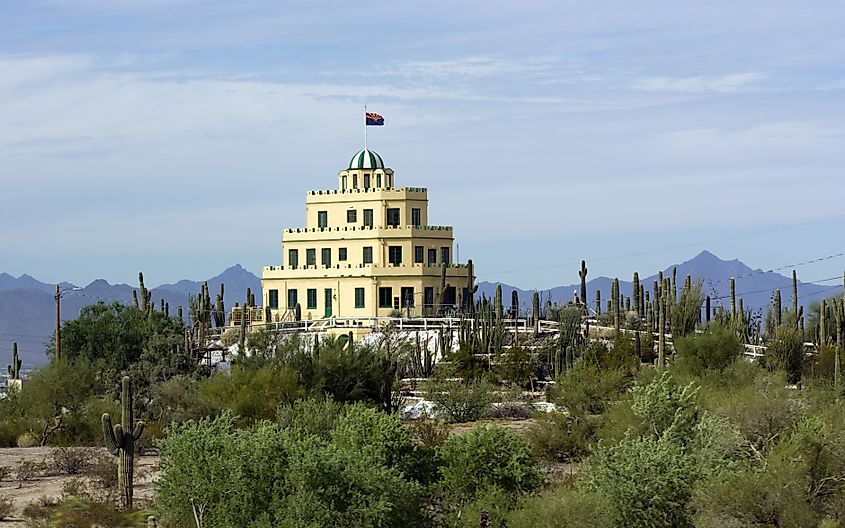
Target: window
(322, 219)
(419, 254)
(415, 216)
(393, 216)
(428, 296)
(326, 257)
(351, 216)
(312, 298)
(385, 297)
(366, 181)
(293, 258)
(368, 217)
(368, 254)
(354, 181)
(343, 182)
(341, 254)
(273, 299)
(389, 180)
(444, 255)
(291, 299)
(432, 257)
(311, 257)
(407, 297)
(359, 297)
(394, 255)
(378, 181)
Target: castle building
(367, 250)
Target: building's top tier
(366, 159)
(366, 172)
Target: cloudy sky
(179, 137)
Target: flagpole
(365, 127)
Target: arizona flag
(374, 119)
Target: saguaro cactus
(733, 299)
(661, 338)
(583, 274)
(795, 298)
(616, 309)
(469, 302)
(15, 367)
(635, 290)
(535, 302)
(598, 302)
(120, 442)
(146, 295)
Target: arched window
(343, 182)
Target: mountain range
(754, 286)
(28, 309)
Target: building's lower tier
(380, 292)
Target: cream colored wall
(343, 290)
(336, 204)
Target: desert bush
(429, 432)
(715, 349)
(561, 437)
(311, 416)
(81, 512)
(277, 477)
(562, 507)
(7, 508)
(762, 412)
(30, 470)
(69, 460)
(460, 401)
(26, 440)
(509, 410)
(5, 473)
(102, 471)
(786, 352)
(588, 389)
(487, 457)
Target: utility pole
(58, 324)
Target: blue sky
(179, 137)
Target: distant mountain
(28, 306)
(754, 286)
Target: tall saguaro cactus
(583, 274)
(535, 305)
(15, 367)
(635, 291)
(733, 299)
(795, 298)
(120, 442)
(469, 302)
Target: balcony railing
(365, 228)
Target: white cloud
(734, 82)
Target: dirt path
(24, 492)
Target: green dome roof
(366, 159)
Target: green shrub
(460, 401)
(82, 512)
(311, 416)
(786, 352)
(715, 349)
(562, 507)
(588, 389)
(561, 437)
(269, 476)
(487, 457)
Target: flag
(374, 119)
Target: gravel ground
(22, 493)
